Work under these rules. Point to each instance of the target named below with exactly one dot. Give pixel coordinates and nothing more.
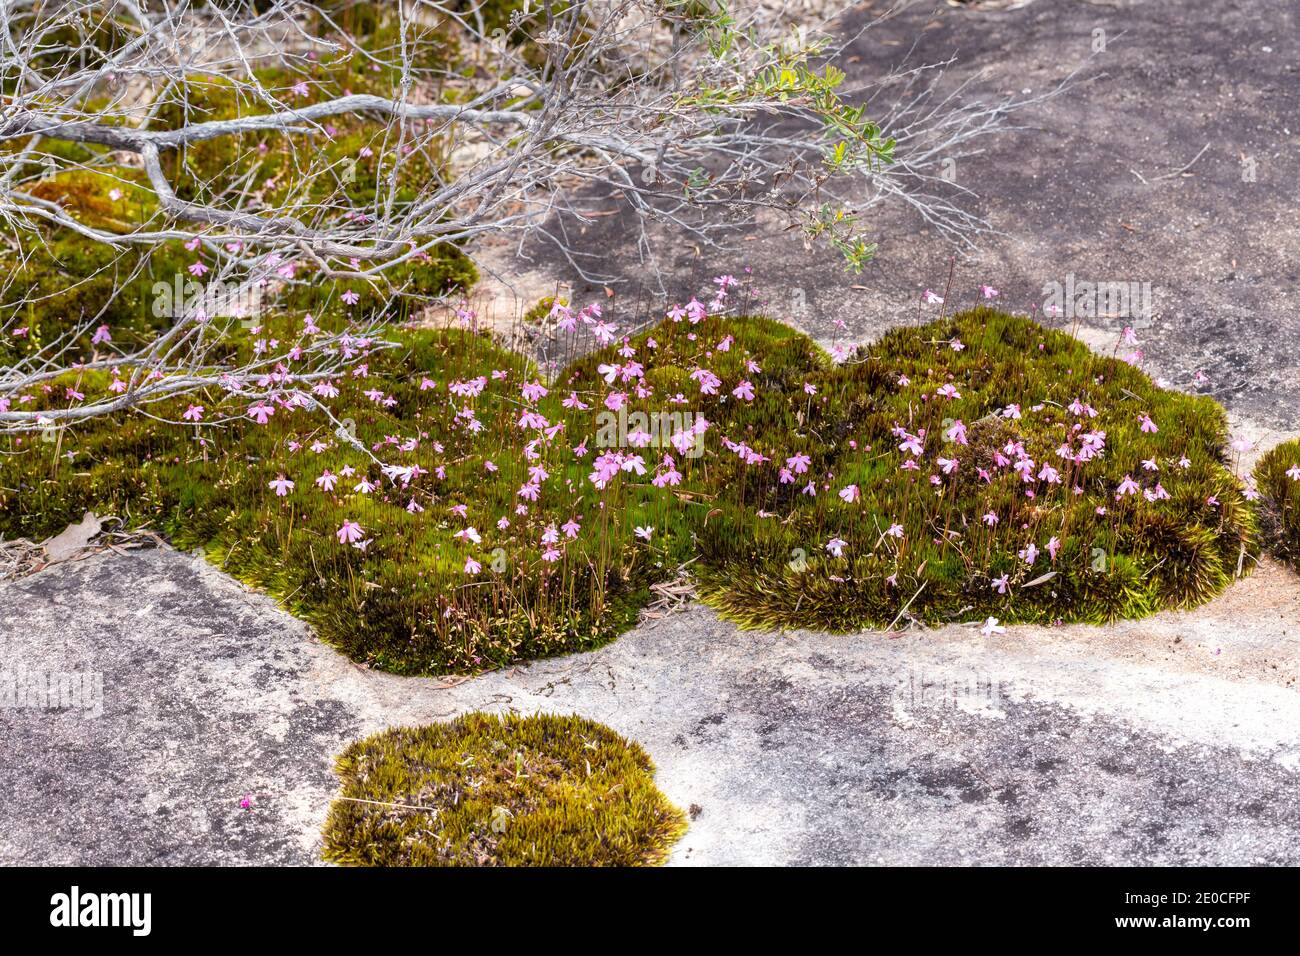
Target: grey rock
(1170, 740)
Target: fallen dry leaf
(72, 538)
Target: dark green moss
(483, 790)
(85, 38)
(64, 279)
(1277, 479)
(397, 294)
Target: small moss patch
(1277, 478)
(483, 790)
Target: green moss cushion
(1277, 479)
(483, 790)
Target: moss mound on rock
(979, 466)
(483, 790)
(1277, 479)
(984, 465)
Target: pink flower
(282, 486)
(798, 463)
(101, 335)
(708, 381)
(1000, 584)
(744, 391)
(850, 493)
(472, 566)
(261, 411)
(989, 292)
(533, 391)
(193, 413)
(197, 268)
(683, 441)
(644, 532)
(1126, 487)
(327, 480)
(604, 332)
(894, 531)
(836, 546)
(990, 519)
(349, 532)
(1147, 424)
(1293, 472)
(932, 298)
(351, 297)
